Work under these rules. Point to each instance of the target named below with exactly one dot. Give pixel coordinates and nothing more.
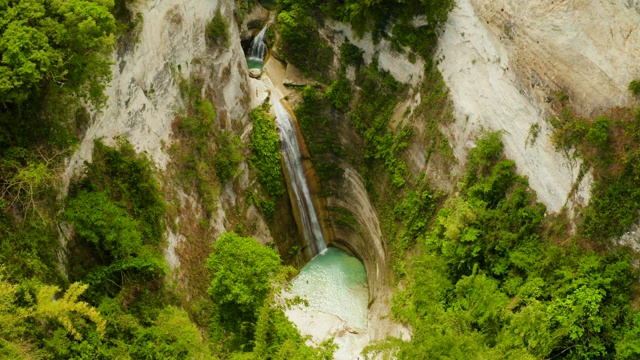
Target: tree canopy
(54, 43)
(242, 275)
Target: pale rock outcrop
(255, 73)
(590, 49)
(143, 93)
(295, 77)
(504, 60)
(488, 94)
(398, 65)
(632, 237)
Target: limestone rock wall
(489, 94)
(144, 91)
(143, 97)
(588, 48)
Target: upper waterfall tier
(258, 49)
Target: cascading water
(293, 161)
(333, 282)
(258, 49)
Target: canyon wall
(505, 62)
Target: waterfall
(258, 49)
(298, 182)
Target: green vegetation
(35, 303)
(434, 111)
(242, 276)
(74, 58)
(106, 294)
(339, 93)
(245, 278)
(242, 9)
(55, 61)
(229, 156)
(609, 145)
(218, 30)
(205, 157)
(351, 54)
(265, 148)
(265, 158)
(488, 281)
(371, 116)
(301, 43)
(117, 213)
(485, 273)
(303, 46)
(319, 126)
(634, 87)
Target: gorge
(420, 179)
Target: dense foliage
(245, 277)
(371, 116)
(490, 283)
(302, 45)
(265, 148)
(205, 156)
(319, 126)
(242, 275)
(266, 158)
(117, 213)
(609, 145)
(54, 43)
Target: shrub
(129, 181)
(265, 152)
(339, 93)
(634, 86)
(217, 30)
(351, 54)
(98, 220)
(301, 43)
(228, 157)
(242, 273)
(598, 134)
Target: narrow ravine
(291, 152)
(333, 285)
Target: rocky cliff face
(502, 60)
(505, 61)
(144, 93)
(588, 48)
(144, 96)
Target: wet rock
(255, 73)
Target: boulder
(255, 73)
